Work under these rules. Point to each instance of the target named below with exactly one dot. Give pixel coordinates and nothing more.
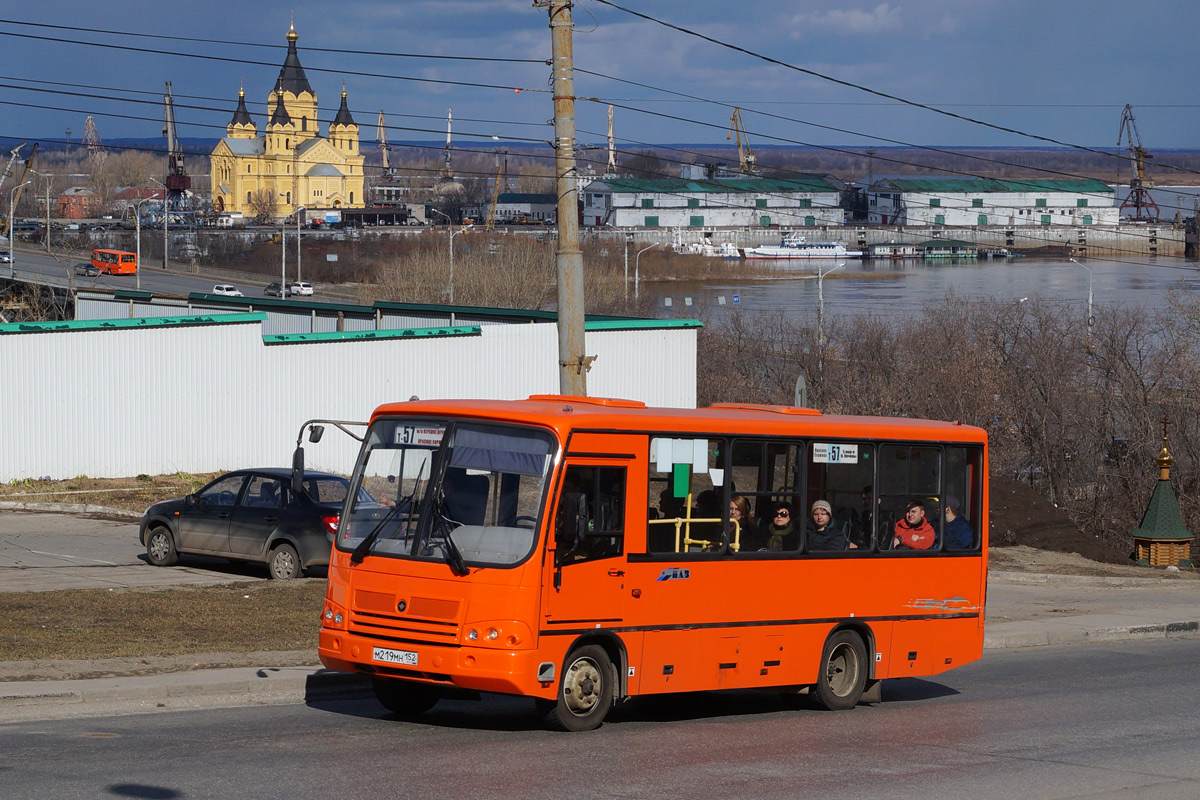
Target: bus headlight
(333, 616)
(501, 633)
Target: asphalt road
(42, 268)
(42, 552)
(1088, 721)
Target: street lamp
(821, 316)
(283, 251)
(1090, 321)
(450, 222)
(636, 273)
(137, 215)
(298, 212)
(628, 239)
(48, 181)
(12, 244)
(165, 240)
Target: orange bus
(115, 262)
(581, 551)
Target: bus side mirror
(298, 472)
(315, 432)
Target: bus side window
(682, 472)
(964, 470)
(598, 494)
(911, 474)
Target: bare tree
(262, 205)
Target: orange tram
(581, 551)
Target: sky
(1060, 70)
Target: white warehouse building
(801, 201)
(965, 201)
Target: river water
(889, 287)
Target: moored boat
(795, 246)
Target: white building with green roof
(965, 201)
(798, 201)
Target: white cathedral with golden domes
(292, 160)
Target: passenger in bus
(959, 535)
(741, 523)
(822, 534)
(781, 532)
(914, 531)
(708, 508)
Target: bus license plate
(405, 657)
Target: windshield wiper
(454, 556)
(406, 502)
(360, 552)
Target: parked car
(301, 288)
(86, 269)
(227, 290)
(276, 289)
(250, 515)
(5, 257)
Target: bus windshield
(448, 491)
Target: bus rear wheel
(843, 673)
(404, 698)
(585, 693)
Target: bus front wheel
(843, 673)
(403, 698)
(585, 693)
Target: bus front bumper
(483, 669)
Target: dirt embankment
(1020, 516)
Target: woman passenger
(739, 512)
(822, 534)
(781, 533)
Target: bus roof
(565, 413)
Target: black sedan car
(87, 270)
(250, 515)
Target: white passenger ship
(795, 246)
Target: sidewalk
(1024, 610)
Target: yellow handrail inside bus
(686, 521)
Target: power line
(850, 84)
(429, 56)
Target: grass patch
(127, 494)
(81, 624)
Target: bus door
(587, 585)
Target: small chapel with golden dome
(291, 164)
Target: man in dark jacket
(959, 535)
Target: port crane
(178, 203)
(16, 152)
(747, 161)
(490, 224)
(1139, 200)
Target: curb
(68, 508)
(24, 701)
(1040, 636)
(1051, 577)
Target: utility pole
(572, 363)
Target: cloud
(884, 18)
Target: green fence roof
(133, 322)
